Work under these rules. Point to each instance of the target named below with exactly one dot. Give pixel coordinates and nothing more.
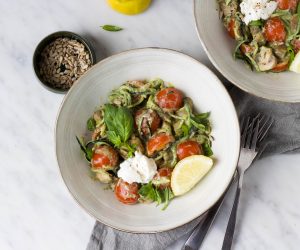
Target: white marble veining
(36, 210)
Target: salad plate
(195, 81)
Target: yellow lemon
(295, 65)
(188, 172)
(129, 7)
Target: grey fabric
(283, 137)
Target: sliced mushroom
(265, 59)
(280, 50)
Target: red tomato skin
(127, 193)
(188, 148)
(158, 142)
(230, 28)
(280, 67)
(274, 30)
(170, 99)
(287, 4)
(105, 157)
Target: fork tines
(254, 130)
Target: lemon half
(129, 7)
(295, 65)
(188, 172)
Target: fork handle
(228, 238)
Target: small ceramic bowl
(47, 40)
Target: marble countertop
(36, 210)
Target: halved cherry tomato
(149, 119)
(283, 66)
(245, 48)
(287, 4)
(230, 28)
(105, 157)
(169, 99)
(127, 193)
(163, 173)
(188, 148)
(296, 45)
(158, 143)
(274, 30)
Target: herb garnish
(111, 28)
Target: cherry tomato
(105, 157)
(188, 148)
(127, 193)
(296, 45)
(287, 4)
(163, 173)
(283, 66)
(230, 28)
(158, 142)
(149, 120)
(170, 99)
(274, 30)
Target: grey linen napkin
(283, 137)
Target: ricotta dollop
(257, 9)
(139, 168)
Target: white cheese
(257, 9)
(139, 168)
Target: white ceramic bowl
(197, 82)
(219, 47)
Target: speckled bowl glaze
(92, 90)
(219, 47)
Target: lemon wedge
(295, 65)
(188, 172)
(129, 7)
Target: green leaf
(256, 23)
(91, 124)
(112, 28)
(119, 122)
(207, 149)
(148, 192)
(114, 138)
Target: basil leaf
(185, 130)
(91, 124)
(114, 138)
(147, 191)
(207, 149)
(119, 122)
(256, 23)
(112, 28)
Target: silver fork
(198, 234)
(253, 131)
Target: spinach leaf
(91, 124)
(148, 192)
(112, 28)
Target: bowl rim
(236, 121)
(227, 76)
(48, 39)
